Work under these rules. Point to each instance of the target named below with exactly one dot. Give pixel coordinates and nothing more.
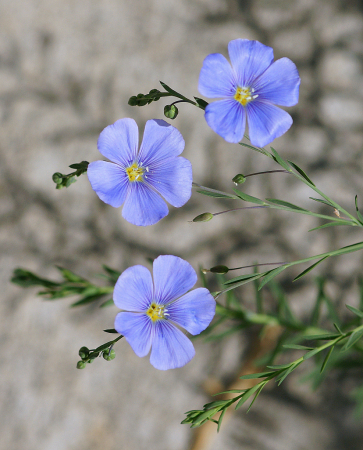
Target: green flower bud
(171, 111)
(219, 269)
(155, 91)
(57, 177)
(205, 217)
(109, 356)
(83, 352)
(93, 355)
(239, 179)
(133, 101)
(81, 364)
(141, 100)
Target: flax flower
(154, 309)
(140, 178)
(249, 89)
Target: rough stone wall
(67, 69)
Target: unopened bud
(57, 177)
(109, 356)
(141, 100)
(239, 179)
(133, 101)
(171, 111)
(81, 364)
(155, 91)
(205, 217)
(219, 269)
(83, 352)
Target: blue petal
(171, 348)
(109, 181)
(119, 142)
(143, 206)
(160, 141)
(172, 178)
(134, 289)
(227, 118)
(137, 329)
(249, 59)
(279, 84)
(266, 122)
(194, 311)
(216, 78)
(173, 277)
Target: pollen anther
(243, 95)
(135, 172)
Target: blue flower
(250, 88)
(139, 178)
(153, 309)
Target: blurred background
(67, 70)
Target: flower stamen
(244, 95)
(135, 172)
(156, 312)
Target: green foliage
(62, 180)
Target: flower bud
(57, 178)
(171, 111)
(239, 179)
(155, 91)
(141, 100)
(83, 352)
(81, 364)
(219, 269)
(109, 356)
(133, 101)
(205, 217)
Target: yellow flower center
(135, 172)
(244, 95)
(156, 312)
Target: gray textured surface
(67, 69)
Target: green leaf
(359, 215)
(216, 194)
(247, 395)
(242, 277)
(355, 311)
(257, 394)
(297, 347)
(108, 302)
(301, 172)
(322, 201)
(248, 198)
(279, 160)
(326, 359)
(285, 204)
(170, 90)
(312, 353)
(287, 372)
(270, 275)
(70, 276)
(201, 103)
(220, 420)
(252, 376)
(338, 329)
(332, 224)
(309, 269)
(111, 330)
(353, 338)
(322, 337)
(86, 300)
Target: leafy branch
(106, 350)
(62, 180)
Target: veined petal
(249, 60)
(170, 348)
(172, 178)
(137, 329)
(266, 122)
(143, 206)
(134, 289)
(173, 277)
(160, 141)
(279, 84)
(109, 181)
(227, 118)
(193, 311)
(119, 142)
(216, 78)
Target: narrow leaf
(252, 376)
(247, 395)
(220, 420)
(216, 194)
(270, 275)
(322, 337)
(279, 160)
(301, 172)
(110, 330)
(248, 198)
(108, 302)
(297, 347)
(285, 204)
(353, 338)
(326, 358)
(355, 311)
(320, 200)
(309, 269)
(257, 394)
(332, 224)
